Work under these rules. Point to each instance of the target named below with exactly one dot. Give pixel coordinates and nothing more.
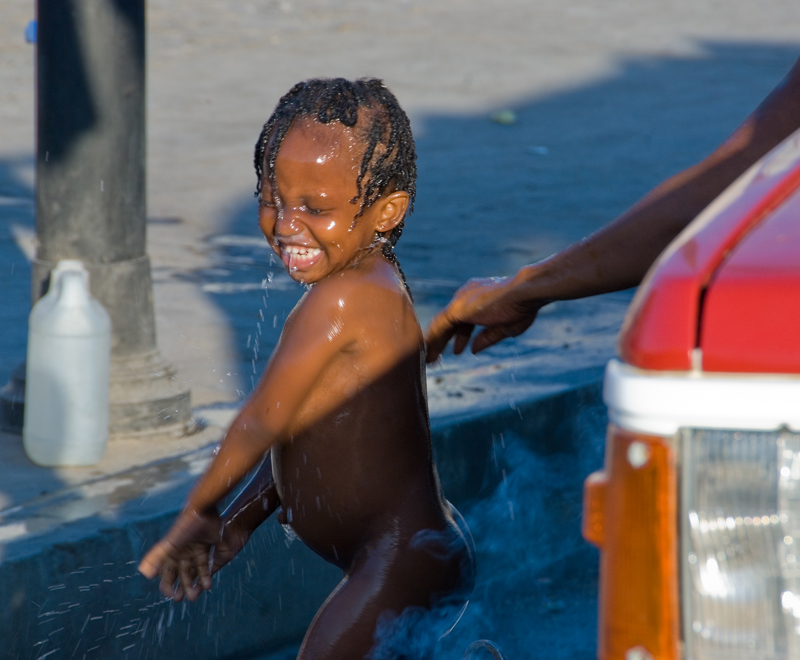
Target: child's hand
(182, 557)
(233, 538)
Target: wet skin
(342, 411)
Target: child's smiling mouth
(298, 257)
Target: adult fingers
(493, 334)
(489, 337)
(463, 334)
(440, 331)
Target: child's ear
(391, 210)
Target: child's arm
(224, 536)
(257, 502)
(314, 334)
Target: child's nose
(288, 223)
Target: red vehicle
(697, 510)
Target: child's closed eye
(266, 201)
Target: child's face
(309, 219)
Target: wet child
(339, 419)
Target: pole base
(145, 398)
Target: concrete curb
(79, 595)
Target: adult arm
(619, 255)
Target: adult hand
(494, 303)
(618, 255)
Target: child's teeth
(297, 251)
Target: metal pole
(90, 192)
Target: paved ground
(609, 99)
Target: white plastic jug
(67, 372)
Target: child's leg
(390, 591)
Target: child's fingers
(186, 575)
(197, 570)
(222, 555)
(177, 593)
(167, 584)
(202, 563)
(152, 563)
(159, 562)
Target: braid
(389, 160)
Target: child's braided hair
(389, 161)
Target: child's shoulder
(368, 285)
(371, 295)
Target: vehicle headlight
(740, 544)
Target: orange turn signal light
(630, 513)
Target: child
(341, 410)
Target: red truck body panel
(730, 283)
(751, 313)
